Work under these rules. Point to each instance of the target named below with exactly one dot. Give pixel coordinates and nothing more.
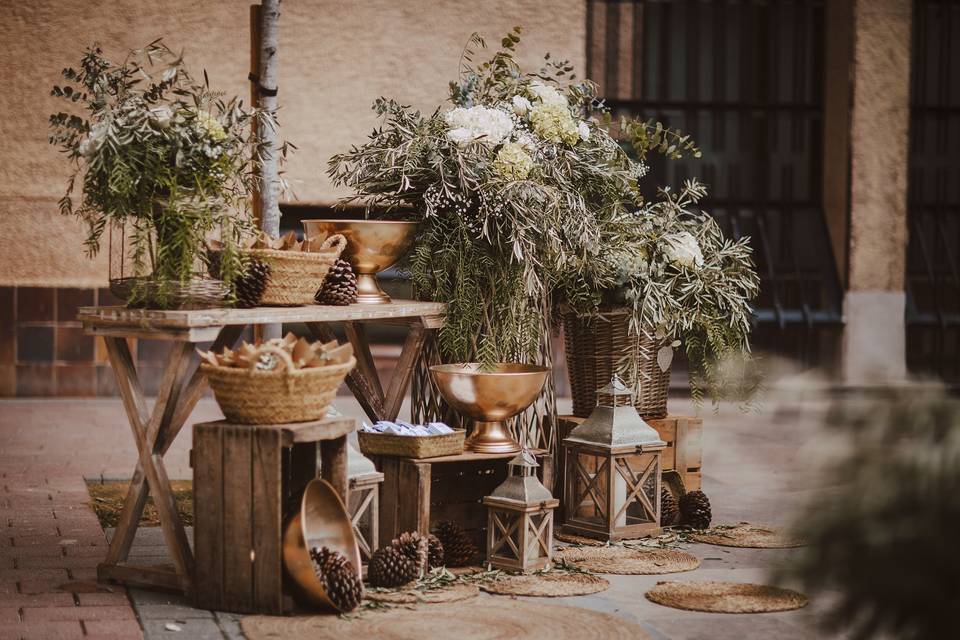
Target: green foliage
(881, 544)
(161, 154)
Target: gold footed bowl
(372, 246)
(321, 522)
(490, 396)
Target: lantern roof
(357, 463)
(524, 459)
(616, 425)
(525, 487)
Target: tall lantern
(612, 470)
(520, 519)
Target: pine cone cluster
(390, 567)
(415, 547)
(250, 286)
(695, 510)
(669, 511)
(339, 287)
(458, 549)
(434, 552)
(338, 577)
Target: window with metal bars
(745, 77)
(933, 192)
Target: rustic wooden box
(246, 481)
(684, 451)
(419, 494)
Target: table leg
(364, 391)
(333, 465)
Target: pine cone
(434, 552)
(415, 547)
(390, 568)
(250, 286)
(340, 286)
(338, 577)
(695, 510)
(458, 549)
(668, 508)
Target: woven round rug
(465, 571)
(572, 538)
(725, 597)
(630, 561)
(744, 534)
(553, 584)
(453, 593)
(483, 619)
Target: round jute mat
(744, 534)
(572, 538)
(482, 620)
(553, 584)
(630, 561)
(725, 597)
(453, 593)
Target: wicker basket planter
(196, 293)
(389, 444)
(295, 276)
(285, 394)
(596, 347)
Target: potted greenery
(166, 163)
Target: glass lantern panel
(587, 477)
(506, 538)
(635, 489)
(538, 536)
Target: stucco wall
(336, 57)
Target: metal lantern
(363, 500)
(612, 470)
(520, 519)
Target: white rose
(584, 130)
(520, 105)
(489, 126)
(161, 116)
(460, 136)
(683, 250)
(528, 142)
(94, 140)
(547, 94)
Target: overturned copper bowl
(372, 246)
(490, 395)
(321, 522)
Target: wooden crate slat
(414, 497)
(237, 535)
(389, 497)
(208, 531)
(267, 518)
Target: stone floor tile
(170, 612)
(194, 629)
(116, 629)
(51, 630)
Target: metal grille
(933, 194)
(745, 78)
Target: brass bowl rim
(347, 220)
(461, 368)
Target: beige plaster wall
(336, 57)
(881, 114)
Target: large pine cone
(415, 547)
(434, 552)
(250, 286)
(458, 549)
(695, 510)
(338, 577)
(669, 511)
(340, 286)
(390, 568)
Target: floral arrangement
(528, 197)
(161, 154)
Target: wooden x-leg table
(183, 384)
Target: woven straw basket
(596, 346)
(285, 394)
(389, 444)
(296, 276)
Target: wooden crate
(419, 494)
(247, 480)
(684, 451)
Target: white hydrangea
(584, 130)
(547, 94)
(682, 249)
(490, 126)
(161, 116)
(94, 140)
(520, 105)
(528, 141)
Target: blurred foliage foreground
(884, 531)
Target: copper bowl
(372, 246)
(321, 522)
(489, 396)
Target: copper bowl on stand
(321, 522)
(490, 396)
(372, 246)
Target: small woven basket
(296, 276)
(389, 444)
(196, 293)
(596, 348)
(284, 394)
